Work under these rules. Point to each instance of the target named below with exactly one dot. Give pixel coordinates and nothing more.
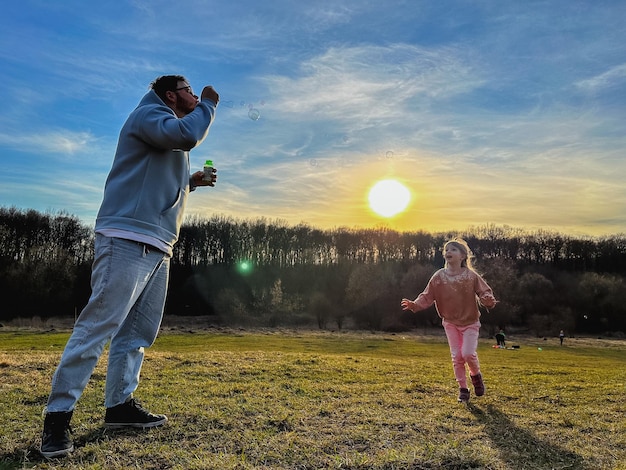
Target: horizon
(471, 230)
(494, 113)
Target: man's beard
(186, 107)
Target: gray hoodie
(148, 184)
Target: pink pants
(463, 342)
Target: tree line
(269, 273)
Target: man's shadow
(520, 448)
(15, 460)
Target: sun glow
(389, 197)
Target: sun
(389, 197)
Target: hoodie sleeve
(158, 126)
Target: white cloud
(62, 142)
(349, 83)
(615, 76)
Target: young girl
(456, 290)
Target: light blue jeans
(463, 342)
(129, 286)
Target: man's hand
(198, 179)
(208, 93)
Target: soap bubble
(254, 114)
(389, 154)
(313, 162)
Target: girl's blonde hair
(464, 248)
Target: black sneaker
(464, 395)
(55, 439)
(131, 415)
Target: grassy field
(313, 400)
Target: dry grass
(309, 400)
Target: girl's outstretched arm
(424, 300)
(484, 293)
(407, 304)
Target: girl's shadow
(520, 448)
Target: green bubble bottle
(208, 170)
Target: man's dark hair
(166, 83)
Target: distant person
(136, 229)
(561, 337)
(501, 339)
(456, 290)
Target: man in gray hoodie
(136, 229)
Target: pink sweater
(455, 296)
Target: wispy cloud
(365, 81)
(611, 79)
(59, 142)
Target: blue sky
(490, 112)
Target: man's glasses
(188, 88)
